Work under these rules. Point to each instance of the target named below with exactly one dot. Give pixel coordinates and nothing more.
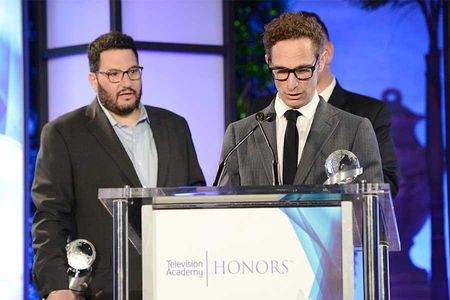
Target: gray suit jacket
(332, 129)
(80, 153)
(376, 111)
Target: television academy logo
(208, 268)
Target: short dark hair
(108, 41)
(294, 26)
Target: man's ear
(93, 81)
(329, 47)
(322, 61)
(266, 57)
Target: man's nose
(292, 81)
(126, 81)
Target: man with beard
(113, 142)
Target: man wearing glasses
(113, 142)
(306, 128)
(376, 111)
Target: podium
(268, 242)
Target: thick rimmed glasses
(115, 76)
(301, 73)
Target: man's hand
(64, 295)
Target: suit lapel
(337, 97)
(101, 129)
(323, 125)
(161, 135)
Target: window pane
(68, 22)
(175, 21)
(68, 85)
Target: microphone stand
(224, 161)
(275, 177)
(260, 117)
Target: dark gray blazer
(79, 154)
(332, 129)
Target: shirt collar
(142, 114)
(326, 93)
(307, 111)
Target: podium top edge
(190, 191)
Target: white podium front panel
(246, 253)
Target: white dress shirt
(303, 126)
(326, 93)
(139, 145)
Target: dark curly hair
(108, 41)
(319, 20)
(294, 26)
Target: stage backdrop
(379, 53)
(11, 151)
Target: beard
(110, 101)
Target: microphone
(269, 118)
(260, 117)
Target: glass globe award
(80, 257)
(342, 166)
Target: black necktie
(290, 152)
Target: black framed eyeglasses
(301, 73)
(115, 76)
